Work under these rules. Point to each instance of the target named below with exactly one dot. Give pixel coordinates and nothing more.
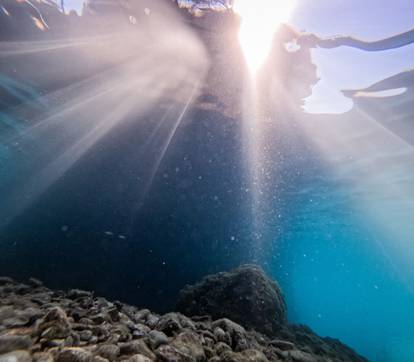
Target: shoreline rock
(41, 325)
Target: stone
(283, 345)
(31, 314)
(10, 343)
(157, 338)
(72, 340)
(55, 324)
(141, 315)
(238, 335)
(249, 355)
(99, 359)
(254, 355)
(108, 351)
(222, 336)
(18, 321)
(209, 352)
(123, 332)
(85, 335)
(139, 358)
(167, 353)
(98, 318)
(214, 359)
(52, 342)
(169, 324)
(16, 356)
(222, 347)
(186, 322)
(300, 356)
(136, 347)
(77, 293)
(209, 342)
(74, 354)
(7, 312)
(114, 314)
(42, 357)
(245, 295)
(152, 320)
(189, 343)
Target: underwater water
(139, 154)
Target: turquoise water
(343, 278)
(131, 166)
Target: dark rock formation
(245, 295)
(37, 324)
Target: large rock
(245, 295)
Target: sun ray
(259, 22)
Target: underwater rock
(42, 357)
(138, 358)
(167, 353)
(245, 295)
(55, 324)
(108, 351)
(190, 343)
(17, 356)
(137, 347)
(77, 293)
(6, 280)
(74, 355)
(283, 345)
(249, 355)
(65, 327)
(169, 324)
(157, 338)
(9, 343)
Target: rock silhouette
(245, 295)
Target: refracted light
(381, 94)
(5, 10)
(260, 19)
(38, 23)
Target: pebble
(99, 359)
(43, 357)
(16, 356)
(10, 343)
(85, 335)
(136, 347)
(138, 358)
(108, 351)
(222, 336)
(74, 355)
(283, 345)
(157, 338)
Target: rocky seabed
(43, 325)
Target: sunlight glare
(260, 19)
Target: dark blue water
(134, 201)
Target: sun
(259, 21)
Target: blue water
(135, 203)
(341, 280)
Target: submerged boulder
(245, 295)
